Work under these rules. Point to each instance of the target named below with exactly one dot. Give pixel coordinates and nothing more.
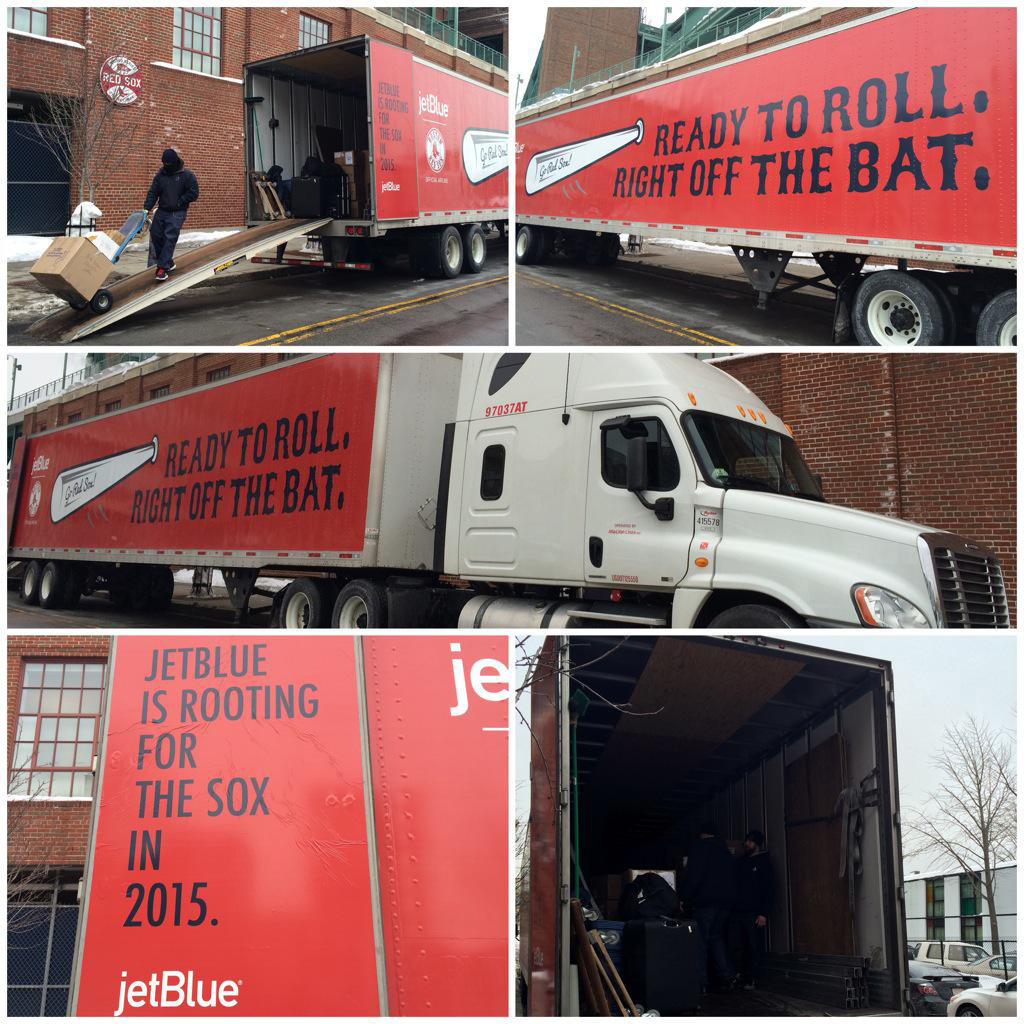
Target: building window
(74, 417)
(197, 39)
(313, 31)
(161, 391)
(27, 19)
(970, 907)
(58, 728)
(112, 406)
(935, 910)
(42, 921)
(219, 374)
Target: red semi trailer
(422, 149)
(299, 827)
(887, 137)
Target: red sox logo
(120, 80)
(435, 150)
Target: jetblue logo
(170, 989)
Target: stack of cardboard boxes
(355, 165)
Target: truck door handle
(596, 552)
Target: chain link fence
(42, 922)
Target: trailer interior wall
(325, 87)
(729, 720)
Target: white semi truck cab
(658, 490)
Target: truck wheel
(893, 309)
(161, 588)
(77, 305)
(73, 584)
(755, 616)
(610, 252)
(997, 324)
(450, 252)
(361, 604)
(52, 585)
(474, 245)
(527, 244)
(29, 589)
(102, 301)
(935, 280)
(303, 605)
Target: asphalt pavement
(98, 613)
(664, 297)
(383, 307)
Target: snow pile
(37, 306)
(264, 582)
(84, 213)
(191, 238)
(26, 248)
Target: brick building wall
(927, 438)
(814, 20)
(178, 371)
(46, 831)
(200, 115)
(604, 36)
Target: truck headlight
(883, 609)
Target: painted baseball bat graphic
(484, 153)
(78, 485)
(562, 162)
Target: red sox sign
(120, 80)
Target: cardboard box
(73, 268)
(105, 242)
(355, 164)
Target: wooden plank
(822, 920)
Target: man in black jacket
(174, 188)
(755, 891)
(710, 891)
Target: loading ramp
(141, 290)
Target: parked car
(959, 955)
(932, 986)
(1000, 1001)
(1002, 966)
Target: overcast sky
(938, 680)
(39, 368)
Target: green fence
(673, 47)
(421, 20)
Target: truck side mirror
(636, 464)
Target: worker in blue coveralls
(173, 190)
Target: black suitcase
(316, 197)
(661, 965)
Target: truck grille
(971, 589)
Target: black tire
(361, 604)
(894, 309)
(29, 588)
(755, 616)
(969, 1011)
(161, 587)
(474, 249)
(528, 244)
(611, 250)
(935, 280)
(102, 301)
(593, 254)
(450, 252)
(73, 584)
(304, 605)
(997, 324)
(78, 306)
(53, 584)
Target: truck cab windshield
(735, 454)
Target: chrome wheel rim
(477, 248)
(354, 614)
(452, 251)
(1008, 333)
(298, 611)
(521, 245)
(894, 319)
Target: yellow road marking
(294, 334)
(657, 323)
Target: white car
(1000, 1001)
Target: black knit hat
(170, 157)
